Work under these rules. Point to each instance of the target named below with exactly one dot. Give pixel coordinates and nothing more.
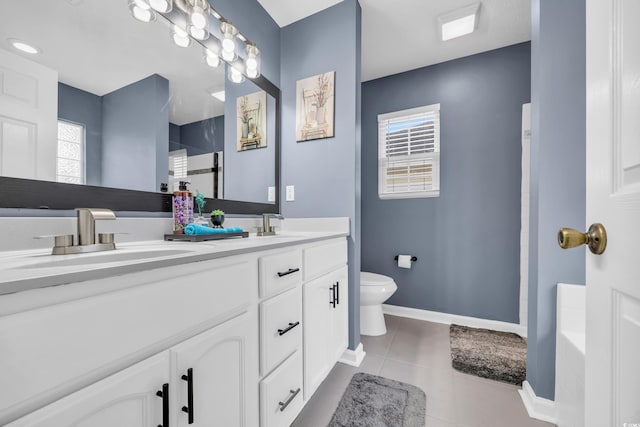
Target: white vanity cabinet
(325, 307)
(208, 380)
(237, 341)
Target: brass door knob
(595, 238)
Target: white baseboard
(537, 407)
(353, 357)
(435, 316)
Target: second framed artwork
(315, 107)
(252, 124)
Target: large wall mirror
(111, 113)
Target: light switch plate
(291, 194)
(271, 195)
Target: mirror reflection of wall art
(252, 124)
(314, 107)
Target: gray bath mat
(372, 401)
(489, 354)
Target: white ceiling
(401, 35)
(97, 46)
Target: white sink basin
(105, 257)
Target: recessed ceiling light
(218, 95)
(459, 22)
(23, 47)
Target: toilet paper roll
(404, 261)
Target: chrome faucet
(267, 229)
(86, 234)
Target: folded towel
(193, 229)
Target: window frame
(83, 154)
(383, 159)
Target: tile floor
(418, 352)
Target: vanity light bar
(194, 30)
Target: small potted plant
(217, 218)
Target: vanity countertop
(34, 269)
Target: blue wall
(247, 174)
(325, 171)
(558, 125)
(467, 240)
(84, 108)
(135, 135)
(201, 137)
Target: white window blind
(177, 168)
(409, 153)
(70, 156)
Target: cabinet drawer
(322, 259)
(280, 328)
(281, 394)
(279, 272)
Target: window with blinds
(178, 168)
(409, 153)
(70, 153)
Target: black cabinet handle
(333, 299)
(289, 271)
(294, 393)
(164, 394)
(189, 408)
(337, 292)
(288, 328)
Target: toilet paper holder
(413, 258)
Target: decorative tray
(204, 237)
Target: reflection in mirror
(113, 102)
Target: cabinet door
(339, 339)
(127, 398)
(317, 297)
(224, 375)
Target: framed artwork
(315, 107)
(252, 123)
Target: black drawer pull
(164, 394)
(289, 271)
(288, 328)
(189, 408)
(333, 294)
(294, 393)
(337, 292)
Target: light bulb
(180, 37)
(211, 58)
(162, 6)
(235, 75)
(198, 17)
(228, 56)
(252, 60)
(228, 41)
(141, 11)
(198, 33)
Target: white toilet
(374, 290)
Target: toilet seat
(374, 279)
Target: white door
(28, 118)
(224, 376)
(613, 199)
(128, 398)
